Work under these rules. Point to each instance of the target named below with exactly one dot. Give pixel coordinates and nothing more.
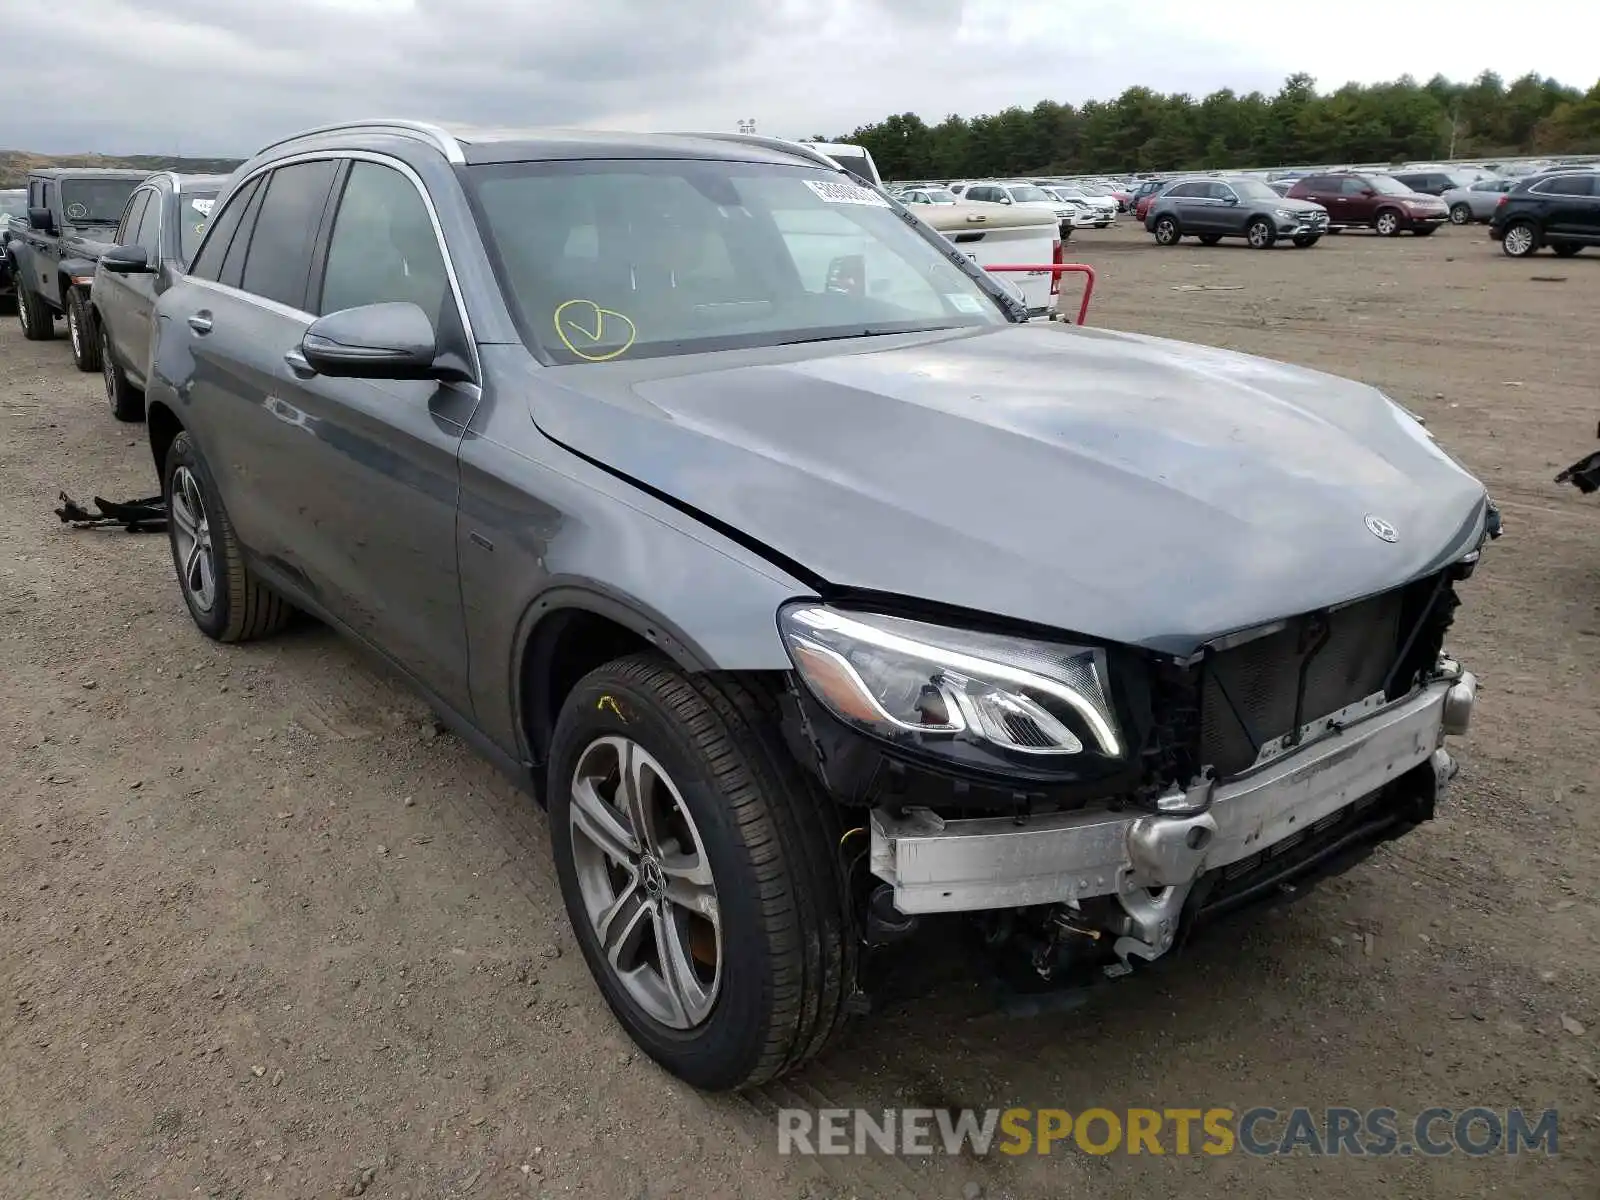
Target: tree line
(1144, 130)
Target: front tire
(224, 597)
(1260, 234)
(1519, 240)
(83, 333)
(1388, 223)
(699, 867)
(1167, 231)
(127, 401)
(1460, 214)
(34, 317)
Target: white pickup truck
(997, 234)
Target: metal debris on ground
(148, 515)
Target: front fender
(74, 269)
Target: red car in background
(1146, 194)
(1378, 201)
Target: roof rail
(437, 137)
(770, 143)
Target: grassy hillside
(15, 164)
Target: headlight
(932, 685)
(1288, 214)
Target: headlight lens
(1288, 214)
(907, 680)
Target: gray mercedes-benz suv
(822, 598)
(1233, 206)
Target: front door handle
(298, 364)
(200, 322)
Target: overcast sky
(225, 76)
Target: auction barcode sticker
(838, 192)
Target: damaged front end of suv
(1090, 804)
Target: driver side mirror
(374, 341)
(1230, 199)
(40, 219)
(127, 260)
(1366, 191)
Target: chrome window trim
(382, 160)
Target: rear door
(1569, 205)
(243, 314)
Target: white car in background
(1022, 195)
(1104, 208)
(926, 195)
(1084, 216)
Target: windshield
(194, 210)
(1387, 186)
(1253, 189)
(95, 201)
(1028, 194)
(935, 196)
(606, 259)
(13, 204)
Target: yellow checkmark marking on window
(580, 324)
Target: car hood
(1294, 204)
(1126, 488)
(87, 241)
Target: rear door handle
(298, 364)
(200, 322)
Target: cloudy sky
(224, 76)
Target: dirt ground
(265, 932)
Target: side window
(149, 227)
(1352, 185)
(1566, 185)
(279, 261)
(1220, 191)
(1184, 191)
(383, 248)
(208, 263)
(130, 218)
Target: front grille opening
(1249, 692)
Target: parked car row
(95, 248)
(618, 449)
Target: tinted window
(208, 264)
(148, 232)
(1182, 190)
(194, 213)
(383, 247)
(233, 265)
(1567, 185)
(126, 230)
(279, 261)
(1351, 186)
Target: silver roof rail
(770, 143)
(437, 137)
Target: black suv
(1560, 209)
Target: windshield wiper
(864, 333)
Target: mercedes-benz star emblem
(1379, 528)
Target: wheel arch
(163, 426)
(568, 631)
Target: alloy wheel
(1258, 234)
(75, 331)
(22, 308)
(1460, 214)
(1388, 223)
(646, 882)
(191, 538)
(1519, 241)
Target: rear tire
(127, 401)
(1460, 214)
(224, 597)
(1167, 231)
(34, 316)
(1565, 249)
(718, 791)
(83, 332)
(1210, 239)
(1388, 222)
(1260, 234)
